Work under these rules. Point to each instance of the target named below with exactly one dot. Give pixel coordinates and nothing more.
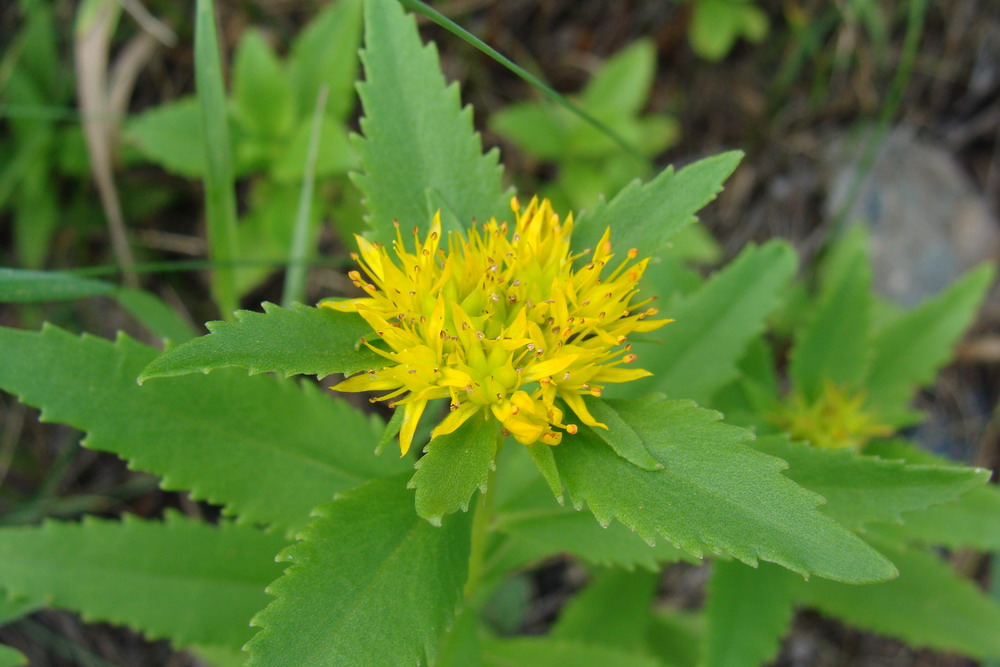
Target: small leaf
(179, 579)
(620, 436)
(747, 613)
(864, 489)
(622, 83)
(262, 96)
(545, 461)
(834, 344)
(910, 350)
(417, 138)
(454, 467)
(537, 128)
(306, 340)
(223, 436)
(325, 53)
(368, 578)
(548, 652)
(646, 216)
(170, 135)
(585, 617)
(927, 606)
(714, 494)
(716, 323)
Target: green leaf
(24, 286)
(834, 345)
(746, 614)
(716, 323)
(537, 129)
(417, 138)
(910, 350)
(927, 606)
(179, 579)
(10, 656)
(717, 24)
(262, 95)
(536, 526)
(619, 435)
(675, 636)
(646, 216)
(224, 436)
(170, 135)
(369, 578)
(970, 521)
(302, 340)
(546, 652)
(454, 467)
(715, 494)
(335, 154)
(325, 53)
(216, 156)
(585, 617)
(155, 315)
(864, 489)
(13, 608)
(623, 82)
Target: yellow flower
(500, 323)
(835, 420)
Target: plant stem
(481, 529)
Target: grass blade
(295, 279)
(220, 194)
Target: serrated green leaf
(224, 436)
(585, 617)
(546, 652)
(619, 435)
(927, 606)
(170, 135)
(453, 467)
(715, 494)
(179, 579)
(369, 578)
(262, 94)
(10, 657)
(834, 344)
(716, 323)
(646, 215)
(543, 458)
(910, 350)
(970, 521)
(300, 340)
(536, 526)
(417, 138)
(325, 53)
(747, 613)
(864, 489)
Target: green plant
(516, 325)
(589, 161)
(716, 25)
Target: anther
(629, 358)
(572, 429)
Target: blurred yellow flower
(835, 420)
(500, 323)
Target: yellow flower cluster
(835, 420)
(499, 322)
